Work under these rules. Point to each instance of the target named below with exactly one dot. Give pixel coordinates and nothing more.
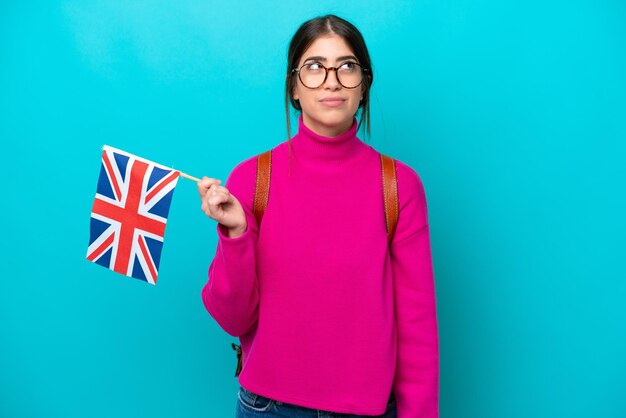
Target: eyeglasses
(312, 75)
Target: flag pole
(187, 176)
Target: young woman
(332, 319)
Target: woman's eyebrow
(323, 59)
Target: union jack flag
(129, 214)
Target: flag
(129, 213)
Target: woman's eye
(348, 65)
(314, 66)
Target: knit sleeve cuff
(222, 233)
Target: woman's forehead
(330, 48)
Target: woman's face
(320, 114)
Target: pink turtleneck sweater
(327, 315)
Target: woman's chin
(334, 119)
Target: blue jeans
(251, 405)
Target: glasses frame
(326, 70)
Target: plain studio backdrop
(513, 114)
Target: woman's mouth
(332, 101)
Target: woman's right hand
(219, 204)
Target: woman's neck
(324, 130)
(311, 148)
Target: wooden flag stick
(187, 176)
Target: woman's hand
(219, 204)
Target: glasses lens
(350, 75)
(312, 75)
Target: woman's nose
(331, 79)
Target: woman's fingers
(215, 199)
(219, 204)
(216, 195)
(205, 184)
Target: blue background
(513, 113)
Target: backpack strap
(237, 348)
(262, 186)
(390, 194)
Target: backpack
(262, 191)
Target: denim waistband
(254, 395)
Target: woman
(332, 320)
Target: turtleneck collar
(310, 147)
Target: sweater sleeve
(416, 381)
(231, 294)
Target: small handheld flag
(129, 214)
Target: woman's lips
(332, 102)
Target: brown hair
(306, 34)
